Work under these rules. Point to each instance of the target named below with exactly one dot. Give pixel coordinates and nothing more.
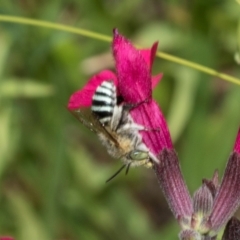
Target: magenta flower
(134, 84)
(212, 205)
(6, 238)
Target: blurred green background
(52, 169)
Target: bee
(110, 119)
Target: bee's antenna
(127, 169)
(118, 171)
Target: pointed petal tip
(132, 70)
(115, 32)
(212, 184)
(156, 79)
(155, 46)
(153, 52)
(72, 103)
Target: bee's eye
(138, 155)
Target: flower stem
(198, 67)
(102, 37)
(55, 26)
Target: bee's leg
(116, 117)
(131, 124)
(128, 167)
(153, 158)
(134, 126)
(146, 163)
(138, 127)
(130, 106)
(121, 120)
(158, 129)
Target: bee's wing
(87, 118)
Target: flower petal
(228, 197)
(157, 137)
(83, 97)
(149, 54)
(134, 78)
(156, 79)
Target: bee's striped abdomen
(104, 100)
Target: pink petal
(134, 78)
(156, 79)
(237, 143)
(6, 238)
(149, 54)
(83, 97)
(157, 136)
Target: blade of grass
(55, 26)
(102, 37)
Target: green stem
(198, 67)
(102, 37)
(55, 26)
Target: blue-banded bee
(112, 122)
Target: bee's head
(138, 155)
